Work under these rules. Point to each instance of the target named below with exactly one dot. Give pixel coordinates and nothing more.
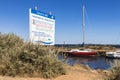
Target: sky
(102, 19)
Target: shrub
(52, 67)
(19, 58)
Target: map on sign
(42, 27)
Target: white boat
(114, 54)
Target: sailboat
(83, 52)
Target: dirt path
(73, 73)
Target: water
(95, 62)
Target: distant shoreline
(79, 45)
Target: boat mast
(83, 24)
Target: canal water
(95, 62)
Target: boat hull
(82, 53)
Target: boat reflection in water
(94, 62)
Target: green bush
(19, 58)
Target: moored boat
(84, 52)
(114, 54)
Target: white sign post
(42, 27)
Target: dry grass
(114, 71)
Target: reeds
(114, 71)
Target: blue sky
(102, 19)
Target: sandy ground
(73, 73)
